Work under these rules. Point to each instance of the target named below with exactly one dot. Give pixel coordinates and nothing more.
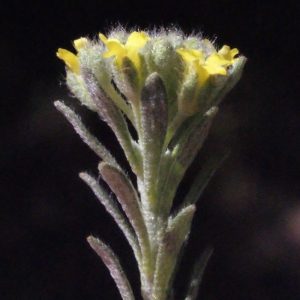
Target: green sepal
(206, 96)
(234, 75)
(164, 60)
(175, 235)
(77, 86)
(192, 99)
(187, 105)
(143, 71)
(131, 75)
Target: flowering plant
(168, 86)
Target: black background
(250, 211)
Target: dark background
(250, 211)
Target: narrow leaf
(192, 143)
(186, 150)
(114, 118)
(197, 275)
(112, 263)
(85, 135)
(154, 120)
(128, 198)
(115, 212)
(175, 235)
(200, 182)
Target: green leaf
(111, 261)
(128, 198)
(188, 145)
(197, 275)
(205, 174)
(192, 142)
(115, 212)
(85, 135)
(175, 235)
(154, 121)
(114, 118)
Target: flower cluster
(215, 63)
(168, 86)
(188, 66)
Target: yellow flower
(70, 59)
(135, 41)
(214, 64)
(229, 54)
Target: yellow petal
(202, 73)
(136, 40)
(228, 54)
(114, 48)
(186, 55)
(70, 59)
(224, 50)
(234, 52)
(190, 55)
(198, 54)
(80, 43)
(214, 69)
(216, 59)
(134, 57)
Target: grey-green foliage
(160, 93)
